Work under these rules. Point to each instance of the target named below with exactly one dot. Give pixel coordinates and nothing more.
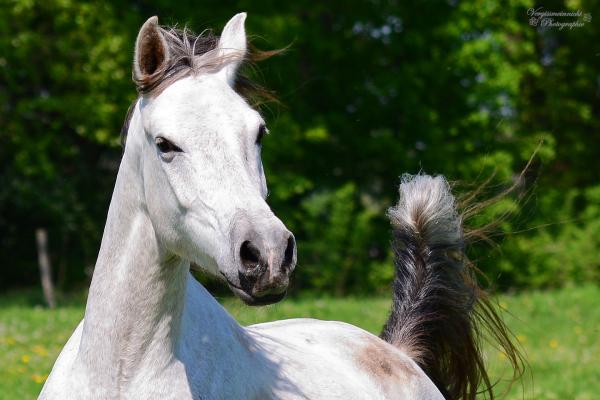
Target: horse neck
(137, 295)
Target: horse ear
(151, 50)
(232, 45)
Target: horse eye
(262, 131)
(164, 146)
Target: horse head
(203, 179)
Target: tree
(369, 91)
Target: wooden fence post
(41, 238)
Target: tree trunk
(41, 238)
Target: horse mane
(190, 54)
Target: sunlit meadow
(558, 331)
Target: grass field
(559, 331)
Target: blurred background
(368, 90)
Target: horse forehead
(197, 102)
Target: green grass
(558, 330)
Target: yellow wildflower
(25, 358)
(8, 340)
(521, 338)
(553, 343)
(40, 350)
(39, 378)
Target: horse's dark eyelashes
(262, 131)
(164, 146)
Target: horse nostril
(288, 257)
(249, 255)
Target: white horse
(191, 189)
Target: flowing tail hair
(438, 310)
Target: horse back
(339, 359)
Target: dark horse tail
(438, 309)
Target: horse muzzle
(265, 260)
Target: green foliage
(561, 252)
(63, 88)
(557, 331)
(465, 89)
(343, 225)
